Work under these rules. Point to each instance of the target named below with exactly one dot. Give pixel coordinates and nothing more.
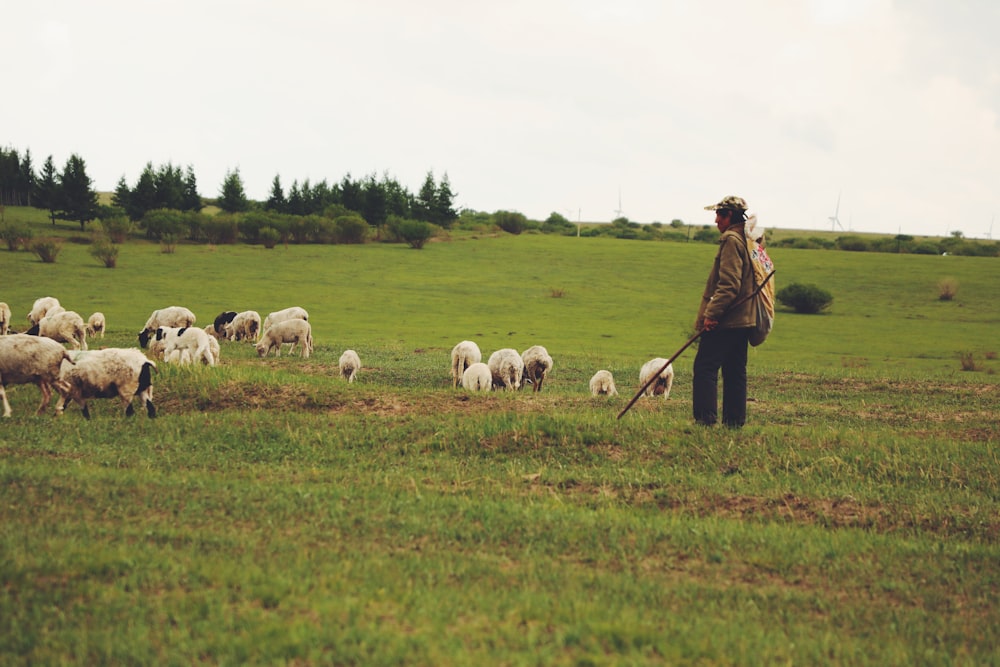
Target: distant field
(273, 513)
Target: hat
(731, 202)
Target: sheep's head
(262, 349)
(144, 338)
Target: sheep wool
(112, 372)
(463, 355)
(537, 364)
(350, 364)
(507, 368)
(294, 331)
(28, 359)
(603, 384)
(477, 377)
(663, 383)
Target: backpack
(763, 300)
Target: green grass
(274, 514)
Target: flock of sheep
(78, 374)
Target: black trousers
(724, 349)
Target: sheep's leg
(538, 383)
(86, 410)
(6, 405)
(46, 397)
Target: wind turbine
(834, 219)
(989, 234)
(618, 211)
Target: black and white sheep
(349, 364)
(663, 383)
(221, 320)
(244, 326)
(41, 307)
(477, 377)
(96, 324)
(603, 384)
(172, 316)
(185, 345)
(293, 313)
(124, 373)
(463, 355)
(65, 326)
(537, 364)
(294, 331)
(507, 368)
(4, 318)
(28, 359)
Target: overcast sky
(582, 107)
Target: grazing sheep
(214, 349)
(477, 377)
(294, 331)
(463, 355)
(96, 324)
(172, 316)
(507, 368)
(210, 330)
(107, 373)
(603, 384)
(41, 307)
(65, 327)
(185, 345)
(4, 318)
(293, 313)
(244, 326)
(350, 364)
(155, 349)
(28, 359)
(663, 383)
(221, 320)
(537, 364)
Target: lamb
(477, 377)
(537, 364)
(244, 326)
(463, 355)
(184, 345)
(96, 325)
(41, 307)
(603, 384)
(4, 318)
(172, 316)
(663, 383)
(295, 331)
(65, 327)
(107, 373)
(25, 359)
(507, 368)
(350, 364)
(221, 320)
(293, 313)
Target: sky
(883, 114)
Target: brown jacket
(730, 280)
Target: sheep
(295, 331)
(293, 313)
(172, 316)
(350, 364)
(537, 364)
(184, 345)
(507, 368)
(41, 307)
(155, 349)
(244, 326)
(663, 383)
(603, 384)
(477, 377)
(65, 327)
(463, 355)
(96, 324)
(221, 320)
(210, 330)
(107, 373)
(25, 359)
(4, 318)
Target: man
(725, 322)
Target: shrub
(17, 237)
(47, 249)
(853, 243)
(947, 289)
(268, 236)
(351, 229)
(221, 229)
(968, 361)
(105, 251)
(804, 298)
(117, 228)
(415, 232)
(168, 244)
(511, 222)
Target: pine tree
(78, 201)
(232, 197)
(47, 189)
(191, 200)
(442, 210)
(276, 201)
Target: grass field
(274, 514)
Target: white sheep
(537, 364)
(350, 364)
(477, 377)
(107, 373)
(41, 307)
(28, 359)
(663, 383)
(603, 384)
(244, 326)
(66, 326)
(507, 368)
(295, 331)
(172, 316)
(210, 330)
(293, 313)
(463, 355)
(185, 345)
(4, 318)
(96, 324)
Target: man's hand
(709, 324)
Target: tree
(511, 222)
(78, 201)
(191, 200)
(375, 209)
(232, 197)
(423, 208)
(442, 209)
(276, 201)
(47, 189)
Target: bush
(117, 228)
(105, 251)
(804, 298)
(47, 249)
(220, 229)
(511, 222)
(415, 232)
(853, 243)
(164, 222)
(351, 229)
(17, 237)
(168, 244)
(947, 289)
(268, 236)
